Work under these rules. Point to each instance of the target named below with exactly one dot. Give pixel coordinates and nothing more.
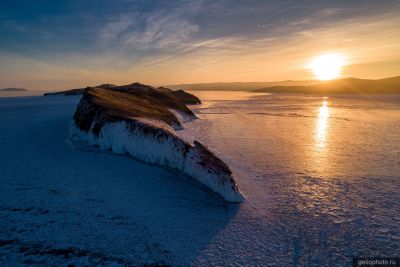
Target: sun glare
(327, 66)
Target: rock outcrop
(13, 90)
(141, 121)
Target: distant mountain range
(347, 85)
(237, 86)
(13, 90)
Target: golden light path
(327, 66)
(322, 124)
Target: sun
(327, 66)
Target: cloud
(160, 32)
(167, 26)
(115, 28)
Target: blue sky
(61, 44)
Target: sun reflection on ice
(322, 124)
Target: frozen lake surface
(321, 176)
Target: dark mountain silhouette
(347, 85)
(237, 86)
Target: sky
(56, 44)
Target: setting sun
(327, 66)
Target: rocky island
(141, 121)
(13, 90)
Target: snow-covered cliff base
(159, 146)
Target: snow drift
(140, 120)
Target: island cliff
(141, 121)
